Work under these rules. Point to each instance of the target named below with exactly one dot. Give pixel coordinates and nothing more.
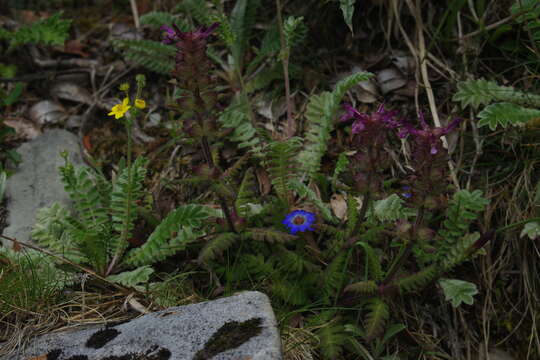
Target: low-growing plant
(287, 243)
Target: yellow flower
(140, 103)
(124, 87)
(119, 110)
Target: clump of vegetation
(402, 233)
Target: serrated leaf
(140, 275)
(532, 230)
(347, 8)
(458, 291)
(505, 114)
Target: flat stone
(36, 182)
(239, 327)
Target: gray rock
(36, 182)
(240, 327)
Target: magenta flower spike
(428, 136)
(174, 34)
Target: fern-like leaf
(126, 191)
(216, 246)
(133, 278)
(246, 194)
(332, 340)
(483, 92)
(156, 19)
(366, 288)
(320, 114)
(418, 280)
(292, 262)
(173, 234)
(152, 55)
(305, 191)
(389, 209)
(282, 165)
(80, 184)
(376, 318)
(236, 117)
(334, 276)
(373, 260)
(267, 235)
(50, 31)
(51, 231)
(294, 293)
(460, 251)
(505, 114)
(461, 211)
(242, 21)
(342, 164)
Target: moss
(229, 336)
(102, 337)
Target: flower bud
(402, 228)
(204, 170)
(431, 203)
(425, 234)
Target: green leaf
(3, 178)
(389, 209)
(156, 19)
(347, 8)
(320, 115)
(171, 236)
(140, 275)
(50, 31)
(242, 20)
(14, 95)
(458, 291)
(304, 191)
(505, 114)
(532, 230)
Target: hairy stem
(285, 52)
(402, 257)
(222, 202)
(121, 246)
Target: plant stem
(122, 244)
(208, 157)
(402, 257)
(66, 261)
(285, 53)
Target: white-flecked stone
(174, 334)
(36, 182)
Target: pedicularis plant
(393, 243)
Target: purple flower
(381, 117)
(174, 34)
(299, 220)
(428, 137)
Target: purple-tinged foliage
(428, 159)
(193, 74)
(370, 128)
(369, 134)
(174, 34)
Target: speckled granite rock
(36, 182)
(240, 327)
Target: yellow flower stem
(122, 244)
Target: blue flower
(299, 220)
(408, 195)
